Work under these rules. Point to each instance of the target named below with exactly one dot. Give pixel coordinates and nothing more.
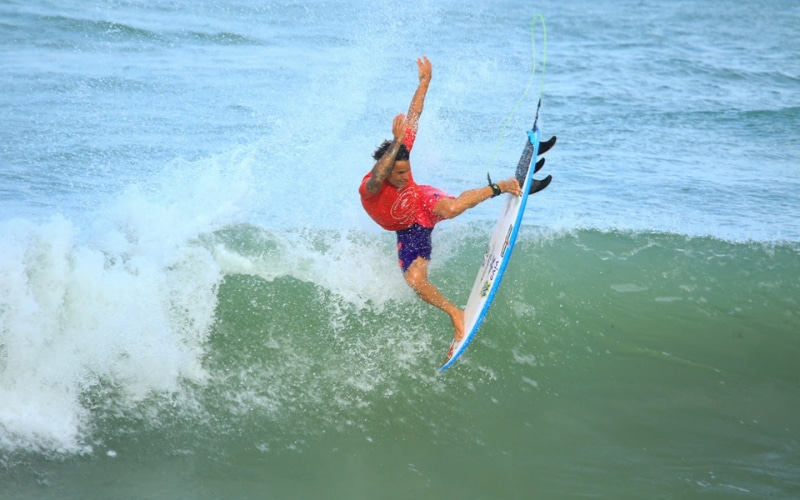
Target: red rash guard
(397, 209)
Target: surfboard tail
(531, 145)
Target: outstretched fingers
(425, 69)
(399, 127)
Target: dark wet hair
(402, 153)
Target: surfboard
(498, 254)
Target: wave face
(646, 346)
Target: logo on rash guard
(404, 208)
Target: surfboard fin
(539, 165)
(547, 145)
(537, 185)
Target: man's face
(401, 173)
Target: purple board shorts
(412, 243)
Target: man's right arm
(383, 167)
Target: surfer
(393, 200)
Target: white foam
(125, 303)
(74, 317)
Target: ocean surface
(193, 304)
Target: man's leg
(449, 207)
(417, 278)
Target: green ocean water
(612, 364)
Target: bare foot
(458, 325)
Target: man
(393, 200)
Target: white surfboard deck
(498, 254)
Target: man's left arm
(418, 101)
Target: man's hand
(425, 70)
(510, 186)
(399, 127)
